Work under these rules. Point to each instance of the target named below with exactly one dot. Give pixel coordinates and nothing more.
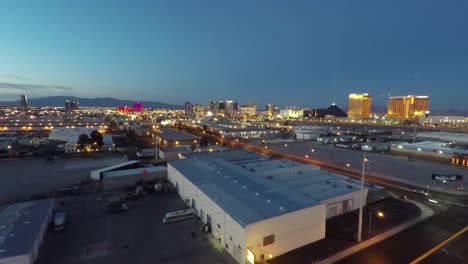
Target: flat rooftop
(20, 225)
(229, 155)
(251, 196)
(445, 136)
(174, 135)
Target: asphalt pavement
(415, 241)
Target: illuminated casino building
(405, 107)
(359, 106)
(137, 107)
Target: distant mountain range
(90, 102)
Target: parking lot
(93, 235)
(22, 179)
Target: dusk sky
(304, 53)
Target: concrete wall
(112, 183)
(227, 231)
(291, 231)
(22, 259)
(344, 203)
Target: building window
(227, 246)
(268, 240)
(230, 238)
(219, 226)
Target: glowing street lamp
(380, 214)
(9, 149)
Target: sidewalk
(426, 212)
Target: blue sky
(304, 53)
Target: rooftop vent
(268, 201)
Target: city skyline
(303, 53)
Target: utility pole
(359, 234)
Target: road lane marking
(439, 246)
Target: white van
(179, 215)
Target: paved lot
(406, 246)
(92, 235)
(341, 231)
(455, 252)
(20, 179)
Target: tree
(83, 141)
(96, 140)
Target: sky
(307, 53)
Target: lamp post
(379, 214)
(156, 147)
(9, 149)
(361, 200)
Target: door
(193, 204)
(332, 211)
(201, 214)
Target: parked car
(116, 207)
(59, 221)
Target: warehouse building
(22, 230)
(260, 209)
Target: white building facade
(256, 215)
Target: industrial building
(448, 137)
(231, 155)
(359, 106)
(260, 209)
(406, 107)
(64, 133)
(170, 138)
(72, 145)
(179, 152)
(22, 230)
(309, 132)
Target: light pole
(9, 150)
(361, 200)
(156, 147)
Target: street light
(9, 150)
(361, 200)
(379, 214)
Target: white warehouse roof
(251, 196)
(22, 227)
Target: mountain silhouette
(90, 102)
